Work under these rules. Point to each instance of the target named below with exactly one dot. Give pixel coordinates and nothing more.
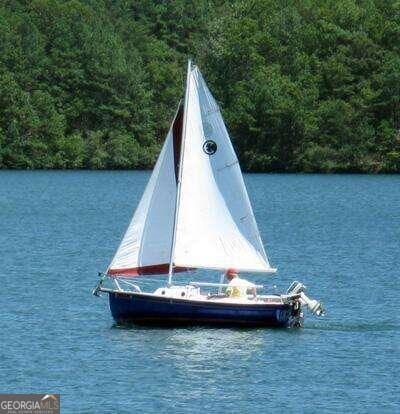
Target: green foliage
(304, 86)
(124, 151)
(70, 152)
(96, 150)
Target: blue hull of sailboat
(147, 309)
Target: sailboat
(195, 214)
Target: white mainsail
(196, 214)
(215, 226)
(146, 245)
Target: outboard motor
(313, 305)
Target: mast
(178, 193)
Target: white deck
(189, 292)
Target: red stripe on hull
(160, 269)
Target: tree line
(305, 85)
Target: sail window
(210, 147)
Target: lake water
(339, 234)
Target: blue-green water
(339, 234)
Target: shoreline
(277, 172)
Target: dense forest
(310, 85)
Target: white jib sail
(146, 245)
(215, 225)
